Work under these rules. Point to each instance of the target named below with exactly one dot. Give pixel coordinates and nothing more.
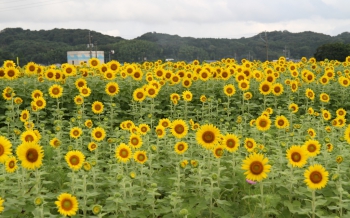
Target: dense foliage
(50, 46)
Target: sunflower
(139, 94)
(179, 128)
(5, 149)
(277, 89)
(341, 121)
(265, 87)
(37, 94)
(204, 74)
(40, 103)
(140, 157)
(30, 155)
(69, 70)
(1, 205)
(92, 146)
(324, 97)
(218, 151)
(135, 141)
(186, 83)
(281, 122)
(137, 75)
(329, 147)
(231, 142)
(294, 86)
(56, 91)
(208, 136)
(88, 123)
(181, 147)
(203, 98)
(151, 91)
(293, 107)
(98, 134)
(79, 83)
(55, 142)
(311, 132)
(310, 94)
(11, 164)
(312, 147)
(297, 156)
(85, 91)
(229, 90)
(187, 95)
(67, 204)
(160, 131)
(11, 73)
(256, 167)
(326, 115)
(75, 159)
(341, 112)
(144, 128)
(25, 115)
(112, 88)
(123, 153)
(263, 123)
(75, 132)
(250, 144)
(316, 177)
(244, 85)
(94, 63)
(29, 136)
(97, 107)
(78, 100)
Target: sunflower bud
(96, 209)
(38, 201)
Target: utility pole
(90, 45)
(267, 47)
(95, 49)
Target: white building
(76, 57)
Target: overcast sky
(195, 18)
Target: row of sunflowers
(165, 139)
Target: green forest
(50, 46)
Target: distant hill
(51, 46)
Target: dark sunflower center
(159, 132)
(11, 164)
(24, 116)
(31, 68)
(180, 147)
(265, 88)
(32, 155)
(230, 143)
(277, 89)
(315, 177)
(208, 137)
(141, 157)
(74, 160)
(134, 141)
(39, 103)
(94, 63)
(256, 167)
(296, 157)
(280, 122)
(151, 91)
(179, 129)
(69, 70)
(29, 138)
(98, 107)
(263, 123)
(98, 134)
(311, 148)
(11, 73)
(75, 132)
(219, 152)
(250, 144)
(124, 153)
(50, 75)
(112, 89)
(2, 150)
(55, 91)
(67, 204)
(85, 91)
(229, 90)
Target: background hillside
(51, 46)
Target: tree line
(50, 46)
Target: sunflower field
(175, 139)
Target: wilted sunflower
(208, 136)
(135, 141)
(5, 149)
(181, 147)
(179, 128)
(75, 132)
(123, 153)
(140, 157)
(229, 90)
(75, 159)
(98, 134)
(11, 164)
(297, 156)
(112, 88)
(187, 95)
(30, 155)
(263, 123)
(231, 142)
(312, 147)
(316, 177)
(256, 167)
(56, 91)
(67, 204)
(97, 107)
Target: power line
(32, 5)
